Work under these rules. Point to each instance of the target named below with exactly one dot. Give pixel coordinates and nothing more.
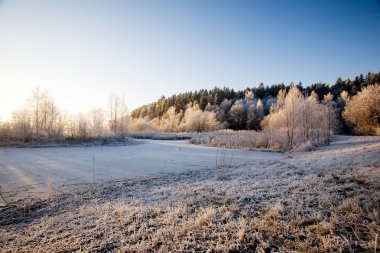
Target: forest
(246, 109)
(299, 114)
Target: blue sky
(81, 51)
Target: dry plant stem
(93, 167)
(2, 197)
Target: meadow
(319, 201)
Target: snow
(32, 169)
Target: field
(40, 170)
(229, 201)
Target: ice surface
(31, 169)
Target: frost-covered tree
(268, 104)
(39, 118)
(255, 114)
(260, 109)
(5, 131)
(330, 116)
(82, 125)
(96, 122)
(197, 120)
(362, 111)
(252, 118)
(51, 118)
(117, 113)
(300, 120)
(238, 114)
(266, 93)
(35, 105)
(249, 95)
(22, 124)
(222, 114)
(344, 96)
(144, 125)
(293, 99)
(171, 120)
(44, 114)
(306, 116)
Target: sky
(82, 51)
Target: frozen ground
(327, 200)
(38, 170)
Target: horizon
(145, 50)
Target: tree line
(41, 119)
(312, 113)
(246, 109)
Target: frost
(324, 200)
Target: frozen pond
(34, 169)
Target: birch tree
(362, 111)
(117, 112)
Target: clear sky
(81, 51)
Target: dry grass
(297, 204)
(248, 140)
(266, 140)
(156, 135)
(67, 142)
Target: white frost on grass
(327, 200)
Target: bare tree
(5, 131)
(117, 112)
(96, 122)
(113, 104)
(44, 114)
(22, 124)
(35, 105)
(123, 117)
(82, 125)
(52, 118)
(330, 120)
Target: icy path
(34, 169)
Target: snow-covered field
(327, 200)
(40, 170)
